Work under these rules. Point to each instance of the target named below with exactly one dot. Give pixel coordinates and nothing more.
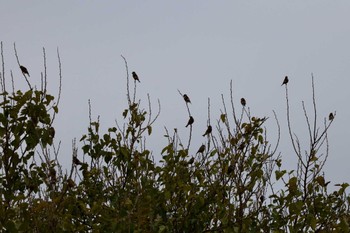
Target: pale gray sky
(194, 46)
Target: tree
(117, 186)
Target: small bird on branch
(285, 81)
(331, 116)
(243, 102)
(24, 70)
(187, 99)
(135, 76)
(208, 131)
(190, 121)
(201, 149)
(191, 161)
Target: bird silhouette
(190, 121)
(191, 161)
(285, 81)
(77, 161)
(262, 198)
(208, 131)
(24, 70)
(201, 149)
(134, 75)
(243, 102)
(331, 116)
(230, 169)
(187, 99)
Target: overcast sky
(196, 47)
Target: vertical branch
(42, 82)
(127, 79)
(233, 107)
(13, 88)
(226, 122)
(2, 77)
(314, 104)
(60, 75)
(308, 124)
(19, 64)
(60, 80)
(208, 124)
(297, 151)
(189, 138)
(45, 69)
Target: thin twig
(127, 80)
(19, 64)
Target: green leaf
(279, 174)
(149, 129)
(223, 118)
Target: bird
(187, 99)
(243, 102)
(24, 70)
(191, 161)
(201, 149)
(262, 198)
(134, 75)
(208, 131)
(230, 169)
(77, 161)
(331, 116)
(285, 81)
(190, 121)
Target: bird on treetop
(24, 70)
(187, 99)
(208, 131)
(285, 81)
(201, 149)
(134, 75)
(331, 116)
(191, 161)
(190, 121)
(243, 102)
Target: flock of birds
(188, 101)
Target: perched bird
(71, 183)
(331, 116)
(262, 198)
(190, 121)
(191, 161)
(230, 169)
(24, 70)
(134, 75)
(243, 102)
(208, 131)
(186, 98)
(77, 161)
(201, 149)
(285, 81)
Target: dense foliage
(114, 184)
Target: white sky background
(194, 46)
